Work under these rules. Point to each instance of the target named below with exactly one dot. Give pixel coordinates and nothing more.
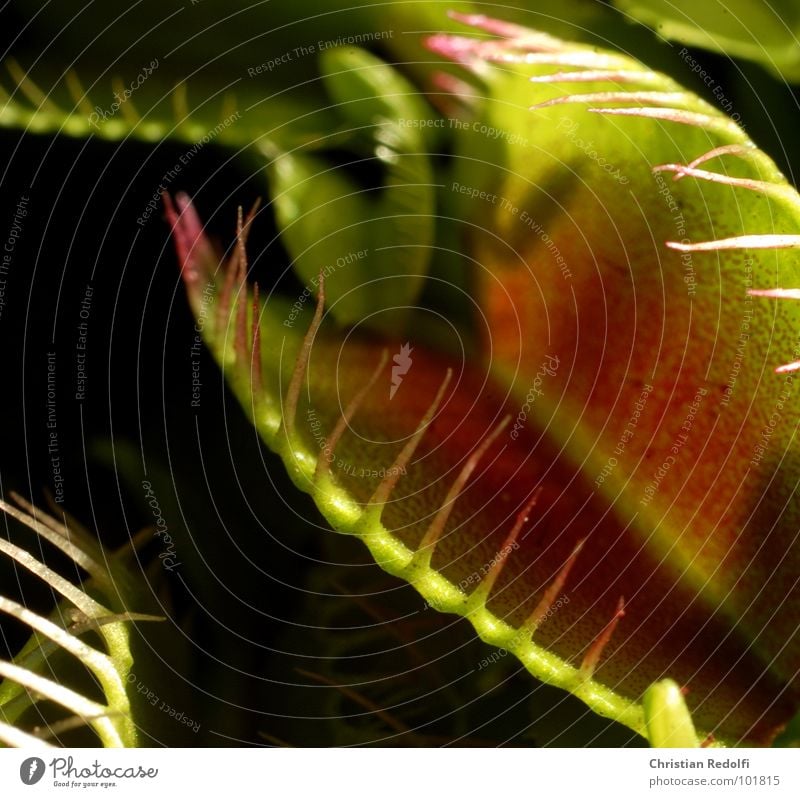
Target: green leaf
(765, 32)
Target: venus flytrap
(683, 585)
(33, 677)
(591, 589)
(669, 723)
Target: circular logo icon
(31, 771)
